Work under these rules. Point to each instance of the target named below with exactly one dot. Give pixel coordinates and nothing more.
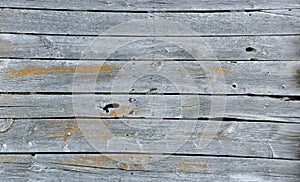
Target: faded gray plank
(149, 5)
(173, 168)
(99, 23)
(223, 48)
(150, 106)
(273, 140)
(268, 78)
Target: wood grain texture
(149, 5)
(173, 168)
(150, 106)
(244, 139)
(222, 48)
(199, 24)
(241, 77)
(253, 132)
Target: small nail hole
(234, 85)
(250, 49)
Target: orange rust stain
(93, 159)
(71, 130)
(125, 166)
(219, 70)
(215, 69)
(194, 69)
(89, 161)
(140, 165)
(37, 70)
(192, 167)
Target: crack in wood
(5, 125)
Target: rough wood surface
(199, 24)
(241, 77)
(172, 168)
(150, 5)
(222, 48)
(245, 139)
(150, 106)
(238, 121)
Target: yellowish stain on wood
(110, 161)
(8, 159)
(217, 136)
(67, 132)
(70, 128)
(190, 167)
(211, 79)
(89, 161)
(37, 70)
(118, 112)
(101, 135)
(219, 70)
(215, 69)
(134, 161)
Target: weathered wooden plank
(150, 106)
(172, 168)
(148, 5)
(241, 77)
(100, 23)
(223, 48)
(257, 139)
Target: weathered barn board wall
(253, 53)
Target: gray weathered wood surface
(217, 24)
(173, 168)
(76, 47)
(255, 139)
(45, 44)
(148, 5)
(258, 77)
(166, 106)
